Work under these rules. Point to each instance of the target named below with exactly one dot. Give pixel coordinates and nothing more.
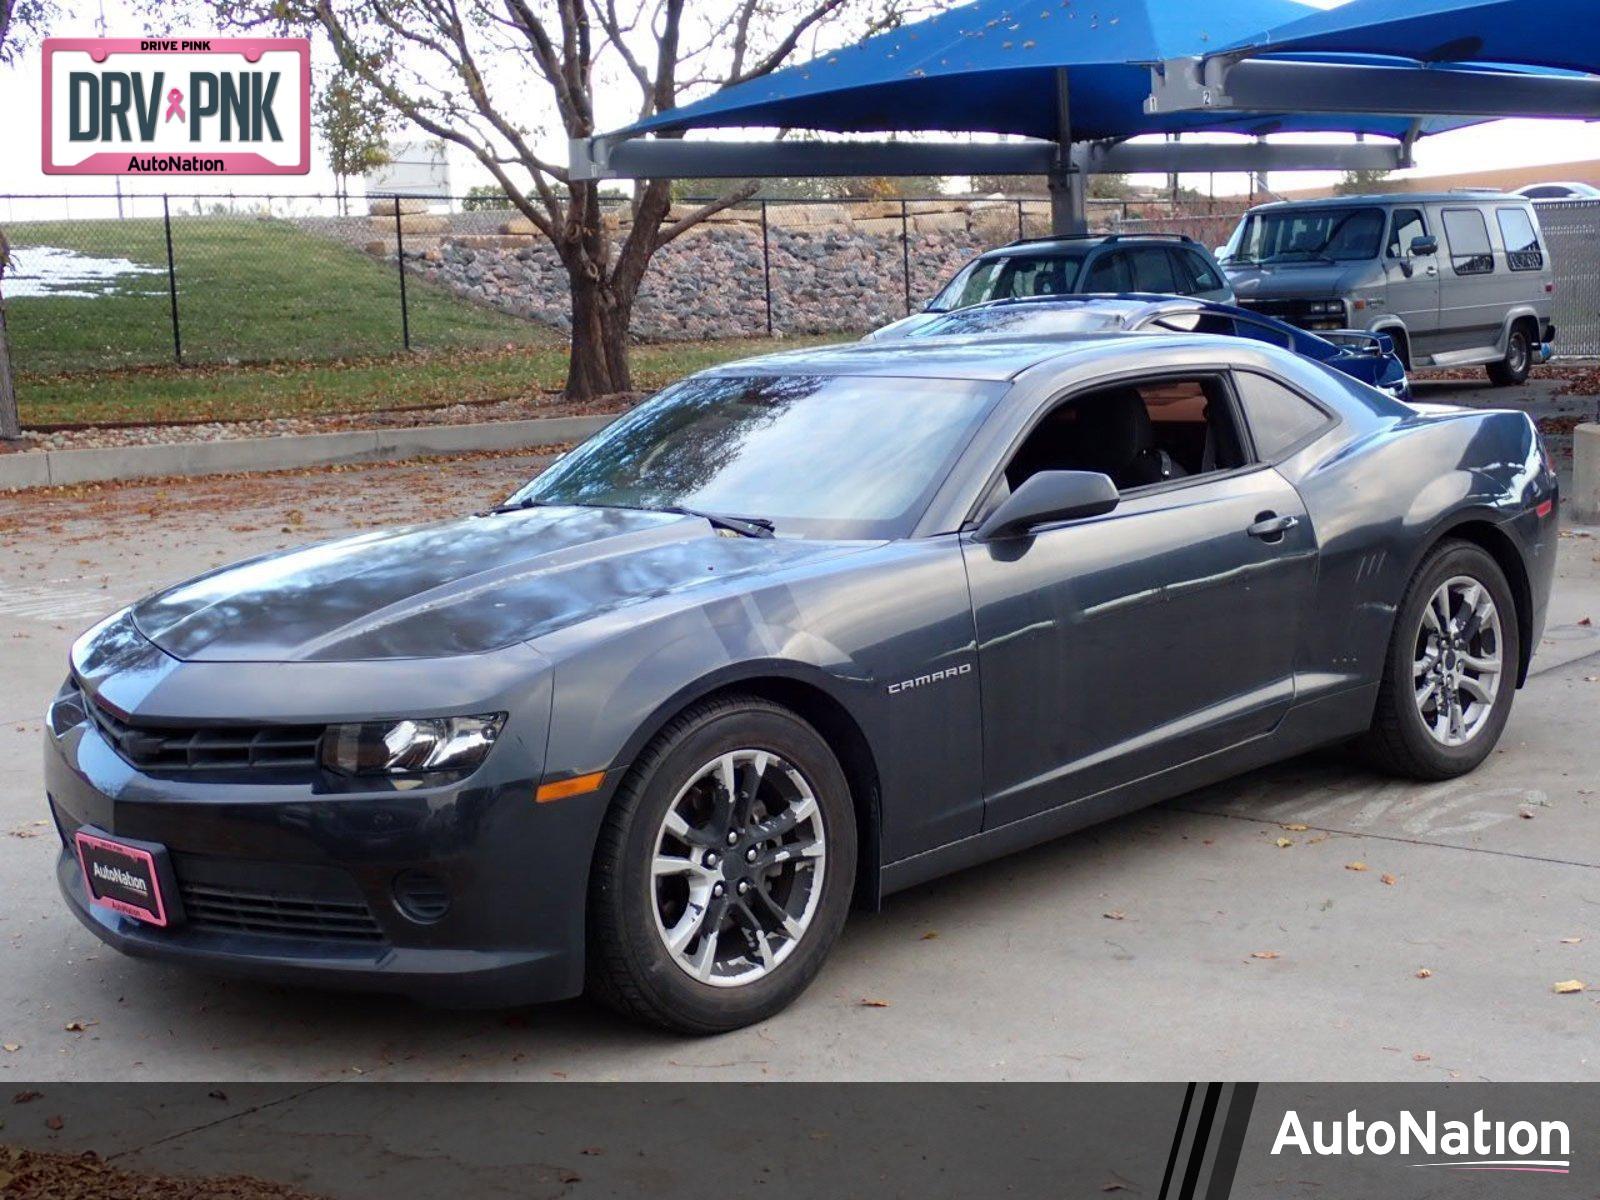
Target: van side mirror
(1047, 497)
(1424, 245)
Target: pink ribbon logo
(175, 105)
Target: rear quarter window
(1279, 419)
(1523, 252)
(1471, 252)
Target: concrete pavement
(1184, 941)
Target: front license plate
(123, 877)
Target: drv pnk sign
(177, 106)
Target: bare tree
(474, 72)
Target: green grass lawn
(249, 289)
(290, 389)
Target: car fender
(1521, 312)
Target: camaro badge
(933, 677)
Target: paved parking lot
(1227, 934)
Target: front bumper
(293, 884)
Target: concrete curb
(50, 468)
(1585, 496)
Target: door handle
(1270, 528)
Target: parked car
(798, 632)
(1455, 278)
(1169, 263)
(1559, 191)
(1369, 357)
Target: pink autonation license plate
(121, 878)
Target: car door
(1118, 646)
(1472, 303)
(1411, 288)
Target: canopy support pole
(1067, 211)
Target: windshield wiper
(752, 527)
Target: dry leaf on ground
(1356, 866)
(1567, 986)
(1265, 954)
(869, 1003)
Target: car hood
(462, 587)
(1295, 281)
(904, 327)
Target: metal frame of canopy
(1064, 162)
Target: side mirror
(1424, 245)
(1220, 253)
(1048, 497)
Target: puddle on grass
(52, 271)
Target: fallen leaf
(566, 1175)
(1567, 986)
(1419, 1056)
(1116, 914)
(1572, 941)
(1585, 621)
(1264, 954)
(10, 1047)
(866, 1003)
(1284, 843)
(1297, 828)
(1355, 866)
(1525, 814)
(218, 1095)
(54, 1123)
(78, 1026)
(1424, 973)
(930, 935)
(1117, 1184)
(25, 1097)
(592, 1151)
(1388, 879)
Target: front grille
(181, 749)
(236, 910)
(1291, 310)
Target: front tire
(724, 869)
(1513, 369)
(1451, 670)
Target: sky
(1500, 144)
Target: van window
(1523, 252)
(1468, 234)
(1408, 224)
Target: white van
(1456, 278)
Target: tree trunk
(598, 347)
(10, 420)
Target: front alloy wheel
(738, 866)
(724, 869)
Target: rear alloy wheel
(1514, 368)
(724, 869)
(1452, 667)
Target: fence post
(905, 252)
(400, 262)
(172, 281)
(1021, 233)
(766, 264)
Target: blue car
(1369, 357)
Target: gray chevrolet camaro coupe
(796, 633)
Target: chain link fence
(104, 282)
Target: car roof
(1390, 198)
(994, 359)
(1068, 243)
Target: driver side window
(1139, 433)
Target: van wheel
(1513, 368)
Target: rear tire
(713, 908)
(1513, 369)
(1451, 669)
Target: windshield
(1052, 317)
(1308, 235)
(1009, 277)
(820, 456)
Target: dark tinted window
(1408, 225)
(1007, 277)
(1152, 270)
(1523, 252)
(1468, 234)
(1278, 418)
(1201, 276)
(1109, 273)
(830, 456)
(1547, 193)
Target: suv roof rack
(1101, 237)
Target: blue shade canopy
(1558, 34)
(989, 67)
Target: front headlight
(410, 747)
(1327, 307)
(68, 710)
